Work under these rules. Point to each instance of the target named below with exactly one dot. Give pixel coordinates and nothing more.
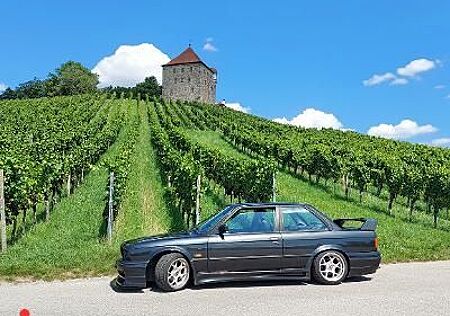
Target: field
(164, 155)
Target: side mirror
(222, 229)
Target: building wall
(189, 82)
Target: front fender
(160, 251)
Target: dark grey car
(253, 241)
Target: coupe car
(253, 241)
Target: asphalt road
(397, 289)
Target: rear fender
(324, 248)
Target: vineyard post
(2, 211)
(47, 205)
(274, 187)
(197, 201)
(69, 180)
(110, 206)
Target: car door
(302, 232)
(251, 243)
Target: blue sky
(277, 58)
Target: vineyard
(175, 164)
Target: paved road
(400, 289)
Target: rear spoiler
(367, 223)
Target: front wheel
(172, 272)
(330, 267)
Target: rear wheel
(330, 267)
(172, 272)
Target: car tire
(172, 272)
(330, 267)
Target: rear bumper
(364, 263)
(131, 275)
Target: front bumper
(131, 275)
(364, 263)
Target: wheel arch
(323, 248)
(150, 269)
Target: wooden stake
(197, 201)
(2, 212)
(47, 206)
(69, 180)
(274, 187)
(110, 207)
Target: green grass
(144, 211)
(72, 242)
(400, 239)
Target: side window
(252, 221)
(299, 218)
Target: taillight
(375, 244)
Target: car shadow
(357, 279)
(236, 284)
(246, 284)
(115, 288)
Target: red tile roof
(186, 57)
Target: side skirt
(204, 277)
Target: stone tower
(187, 78)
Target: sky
(377, 67)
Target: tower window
(182, 69)
(192, 89)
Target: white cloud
(399, 82)
(378, 79)
(131, 64)
(238, 107)
(448, 96)
(410, 70)
(405, 129)
(312, 118)
(3, 87)
(209, 46)
(439, 87)
(441, 142)
(416, 67)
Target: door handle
(275, 240)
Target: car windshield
(210, 222)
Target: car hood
(158, 240)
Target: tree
(31, 89)
(149, 87)
(72, 78)
(8, 94)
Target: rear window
(300, 219)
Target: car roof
(268, 204)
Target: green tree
(72, 78)
(31, 89)
(149, 87)
(8, 94)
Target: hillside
(160, 151)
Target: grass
(71, 243)
(68, 245)
(400, 239)
(144, 211)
